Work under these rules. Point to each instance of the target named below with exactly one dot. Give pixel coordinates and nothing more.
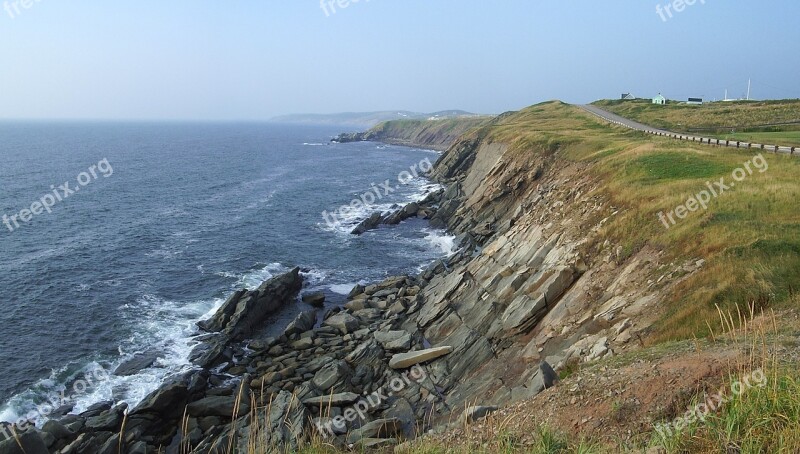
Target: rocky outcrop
(368, 224)
(245, 311)
(424, 209)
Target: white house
(660, 99)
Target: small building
(660, 100)
(695, 101)
(628, 97)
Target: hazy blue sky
(253, 59)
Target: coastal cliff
(548, 274)
(432, 134)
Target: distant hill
(368, 119)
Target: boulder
(303, 322)
(342, 321)
(544, 378)
(368, 224)
(167, 401)
(57, 429)
(110, 420)
(357, 290)
(402, 411)
(598, 350)
(218, 406)
(381, 428)
(303, 343)
(316, 299)
(406, 360)
(29, 442)
(326, 426)
(331, 374)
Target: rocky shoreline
(529, 291)
(308, 378)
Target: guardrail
(703, 140)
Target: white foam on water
(162, 326)
(314, 278)
(253, 279)
(421, 188)
(441, 240)
(344, 221)
(342, 289)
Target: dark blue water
(166, 221)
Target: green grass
(719, 116)
(657, 167)
(759, 420)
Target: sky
(240, 60)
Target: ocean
(118, 237)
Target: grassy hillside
(749, 238)
(720, 118)
(749, 235)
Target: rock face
(245, 310)
(438, 134)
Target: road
(616, 119)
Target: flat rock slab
(406, 360)
(136, 364)
(334, 400)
